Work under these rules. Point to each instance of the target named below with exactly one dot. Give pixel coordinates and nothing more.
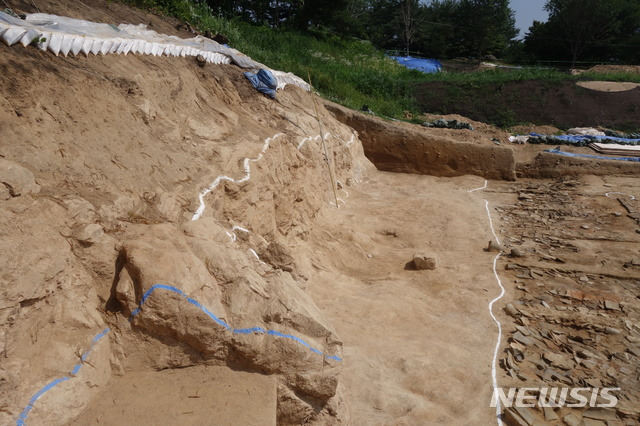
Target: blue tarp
(429, 66)
(579, 140)
(264, 82)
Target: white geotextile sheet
(59, 34)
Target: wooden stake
(324, 144)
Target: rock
(549, 414)
(527, 415)
(585, 227)
(521, 338)
(424, 260)
(600, 414)
(278, 256)
(201, 61)
(493, 246)
(89, 234)
(16, 179)
(516, 253)
(557, 360)
(611, 306)
(634, 351)
(512, 418)
(571, 420)
(511, 310)
(611, 330)
(584, 279)
(590, 422)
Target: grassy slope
(352, 73)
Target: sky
(526, 12)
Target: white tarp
(62, 35)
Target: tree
(486, 26)
(587, 30)
(409, 10)
(582, 24)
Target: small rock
(512, 418)
(511, 310)
(617, 214)
(585, 227)
(516, 253)
(584, 279)
(611, 330)
(589, 422)
(634, 351)
(521, 338)
(611, 306)
(425, 260)
(557, 360)
(549, 414)
(16, 179)
(571, 420)
(201, 61)
(600, 414)
(493, 246)
(90, 234)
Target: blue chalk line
(23, 416)
(252, 330)
(76, 369)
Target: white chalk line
(247, 169)
(497, 349)
(494, 362)
(620, 193)
(486, 182)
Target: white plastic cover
(59, 34)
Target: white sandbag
(76, 45)
(106, 46)
(54, 43)
(96, 46)
(13, 34)
(116, 44)
(86, 45)
(65, 44)
(29, 36)
(43, 44)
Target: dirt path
(418, 344)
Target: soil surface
(103, 163)
(562, 105)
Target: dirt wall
(551, 166)
(408, 149)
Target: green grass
(352, 73)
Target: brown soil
(563, 105)
(608, 86)
(101, 175)
(614, 69)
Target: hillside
(178, 251)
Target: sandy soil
(101, 180)
(608, 86)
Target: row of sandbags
(62, 35)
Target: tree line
(577, 30)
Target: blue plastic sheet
(579, 140)
(264, 82)
(428, 66)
